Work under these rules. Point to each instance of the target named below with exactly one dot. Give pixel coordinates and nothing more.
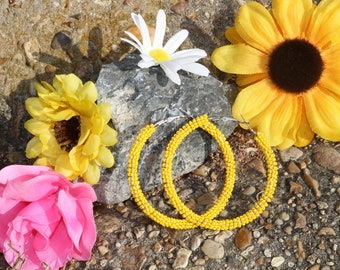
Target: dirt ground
(299, 230)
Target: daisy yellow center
(295, 66)
(67, 133)
(159, 55)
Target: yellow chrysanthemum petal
(239, 59)
(257, 27)
(105, 157)
(70, 129)
(35, 108)
(105, 111)
(92, 174)
(33, 148)
(293, 17)
(78, 161)
(36, 127)
(67, 84)
(324, 25)
(83, 107)
(85, 129)
(109, 136)
(91, 146)
(233, 36)
(64, 167)
(323, 113)
(88, 92)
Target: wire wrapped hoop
(191, 219)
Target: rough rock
(142, 96)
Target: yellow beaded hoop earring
(191, 219)
(207, 220)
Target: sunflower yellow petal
(109, 136)
(244, 80)
(293, 16)
(328, 80)
(257, 27)
(323, 113)
(239, 59)
(269, 111)
(232, 35)
(33, 148)
(105, 157)
(324, 24)
(92, 174)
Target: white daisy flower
(154, 53)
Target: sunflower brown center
(295, 65)
(67, 132)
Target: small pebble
(295, 188)
(277, 261)
(284, 216)
(182, 258)
(322, 205)
(249, 191)
(243, 238)
(195, 242)
(292, 153)
(314, 267)
(267, 252)
(153, 234)
(326, 231)
(300, 221)
(293, 168)
(212, 249)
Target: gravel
(299, 229)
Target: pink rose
(45, 220)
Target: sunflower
(154, 53)
(287, 61)
(70, 130)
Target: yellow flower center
(67, 132)
(295, 66)
(159, 55)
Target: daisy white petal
(160, 29)
(175, 41)
(146, 64)
(171, 73)
(133, 44)
(143, 29)
(134, 38)
(165, 56)
(196, 68)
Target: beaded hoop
(192, 219)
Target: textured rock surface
(139, 97)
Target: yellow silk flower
(70, 130)
(287, 61)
